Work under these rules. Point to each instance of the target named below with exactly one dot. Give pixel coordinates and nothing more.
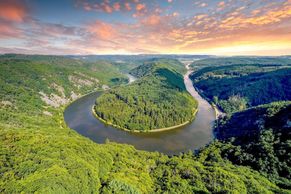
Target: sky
(81, 27)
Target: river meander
(194, 135)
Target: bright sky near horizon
(220, 27)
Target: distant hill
(152, 65)
(234, 87)
(157, 100)
(135, 57)
(125, 63)
(245, 60)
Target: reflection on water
(79, 117)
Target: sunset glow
(222, 27)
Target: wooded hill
(158, 99)
(236, 83)
(260, 138)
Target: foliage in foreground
(40, 161)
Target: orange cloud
(238, 29)
(175, 14)
(8, 31)
(116, 6)
(102, 30)
(140, 7)
(271, 16)
(152, 20)
(12, 10)
(221, 4)
(127, 6)
(107, 8)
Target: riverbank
(147, 131)
(218, 113)
(193, 135)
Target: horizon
(142, 27)
(146, 54)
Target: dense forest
(36, 85)
(40, 154)
(243, 60)
(239, 83)
(260, 137)
(157, 100)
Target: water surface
(194, 135)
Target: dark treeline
(234, 87)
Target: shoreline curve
(146, 131)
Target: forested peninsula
(158, 100)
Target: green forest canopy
(261, 139)
(158, 99)
(39, 153)
(239, 83)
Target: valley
(193, 135)
(157, 101)
(145, 97)
(44, 147)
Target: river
(194, 135)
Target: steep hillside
(260, 138)
(247, 124)
(157, 100)
(236, 87)
(33, 86)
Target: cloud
(12, 13)
(116, 6)
(140, 7)
(151, 20)
(51, 30)
(158, 29)
(103, 6)
(127, 6)
(8, 30)
(267, 16)
(203, 5)
(110, 6)
(12, 10)
(221, 4)
(102, 30)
